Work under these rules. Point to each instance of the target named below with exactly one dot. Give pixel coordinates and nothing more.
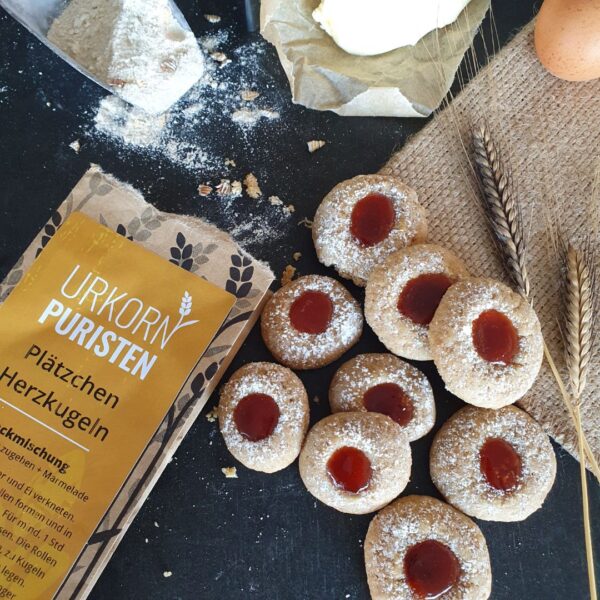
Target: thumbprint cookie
(403, 294)
(355, 462)
(263, 416)
(311, 322)
(496, 465)
(419, 547)
(364, 219)
(383, 383)
(486, 343)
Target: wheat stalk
(506, 225)
(507, 228)
(503, 212)
(578, 333)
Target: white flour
(191, 137)
(213, 103)
(137, 48)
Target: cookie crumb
(288, 275)
(204, 189)
(75, 146)
(219, 57)
(306, 222)
(316, 400)
(236, 189)
(167, 574)
(230, 162)
(212, 415)
(213, 18)
(230, 472)
(289, 209)
(229, 189)
(275, 200)
(252, 188)
(249, 95)
(297, 256)
(315, 145)
(224, 188)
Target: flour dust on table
(214, 103)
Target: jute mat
(549, 133)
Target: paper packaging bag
(407, 82)
(549, 133)
(199, 248)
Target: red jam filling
(500, 464)
(372, 219)
(422, 295)
(311, 312)
(431, 569)
(256, 416)
(495, 337)
(391, 400)
(350, 469)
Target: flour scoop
(151, 67)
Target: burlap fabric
(549, 133)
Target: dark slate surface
(259, 536)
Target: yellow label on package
(97, 340)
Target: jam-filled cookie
(311, 322)
(263, 416)
(403, 294)
(355, 462)
(496, 465)
(419, 547)
(486, 342)
(384, 383)
(364, 219)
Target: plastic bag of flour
(144, 52)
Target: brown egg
(567, 38)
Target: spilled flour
(212, 135)
(215, 103)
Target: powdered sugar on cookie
(455, 463)
(379, 438)
(397, 332)
(334, 242)
(415, 519)
(305, 350)
(365, 371)
(465, 373)
(283, 445)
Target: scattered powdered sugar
(465, 373)
(397, 332)
(365, 371)
(191, 136)
(248, 117)
(455, 463)
(415, 519)
(305, 349)
(334, 242)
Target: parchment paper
(407, 82)
(193, 245)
